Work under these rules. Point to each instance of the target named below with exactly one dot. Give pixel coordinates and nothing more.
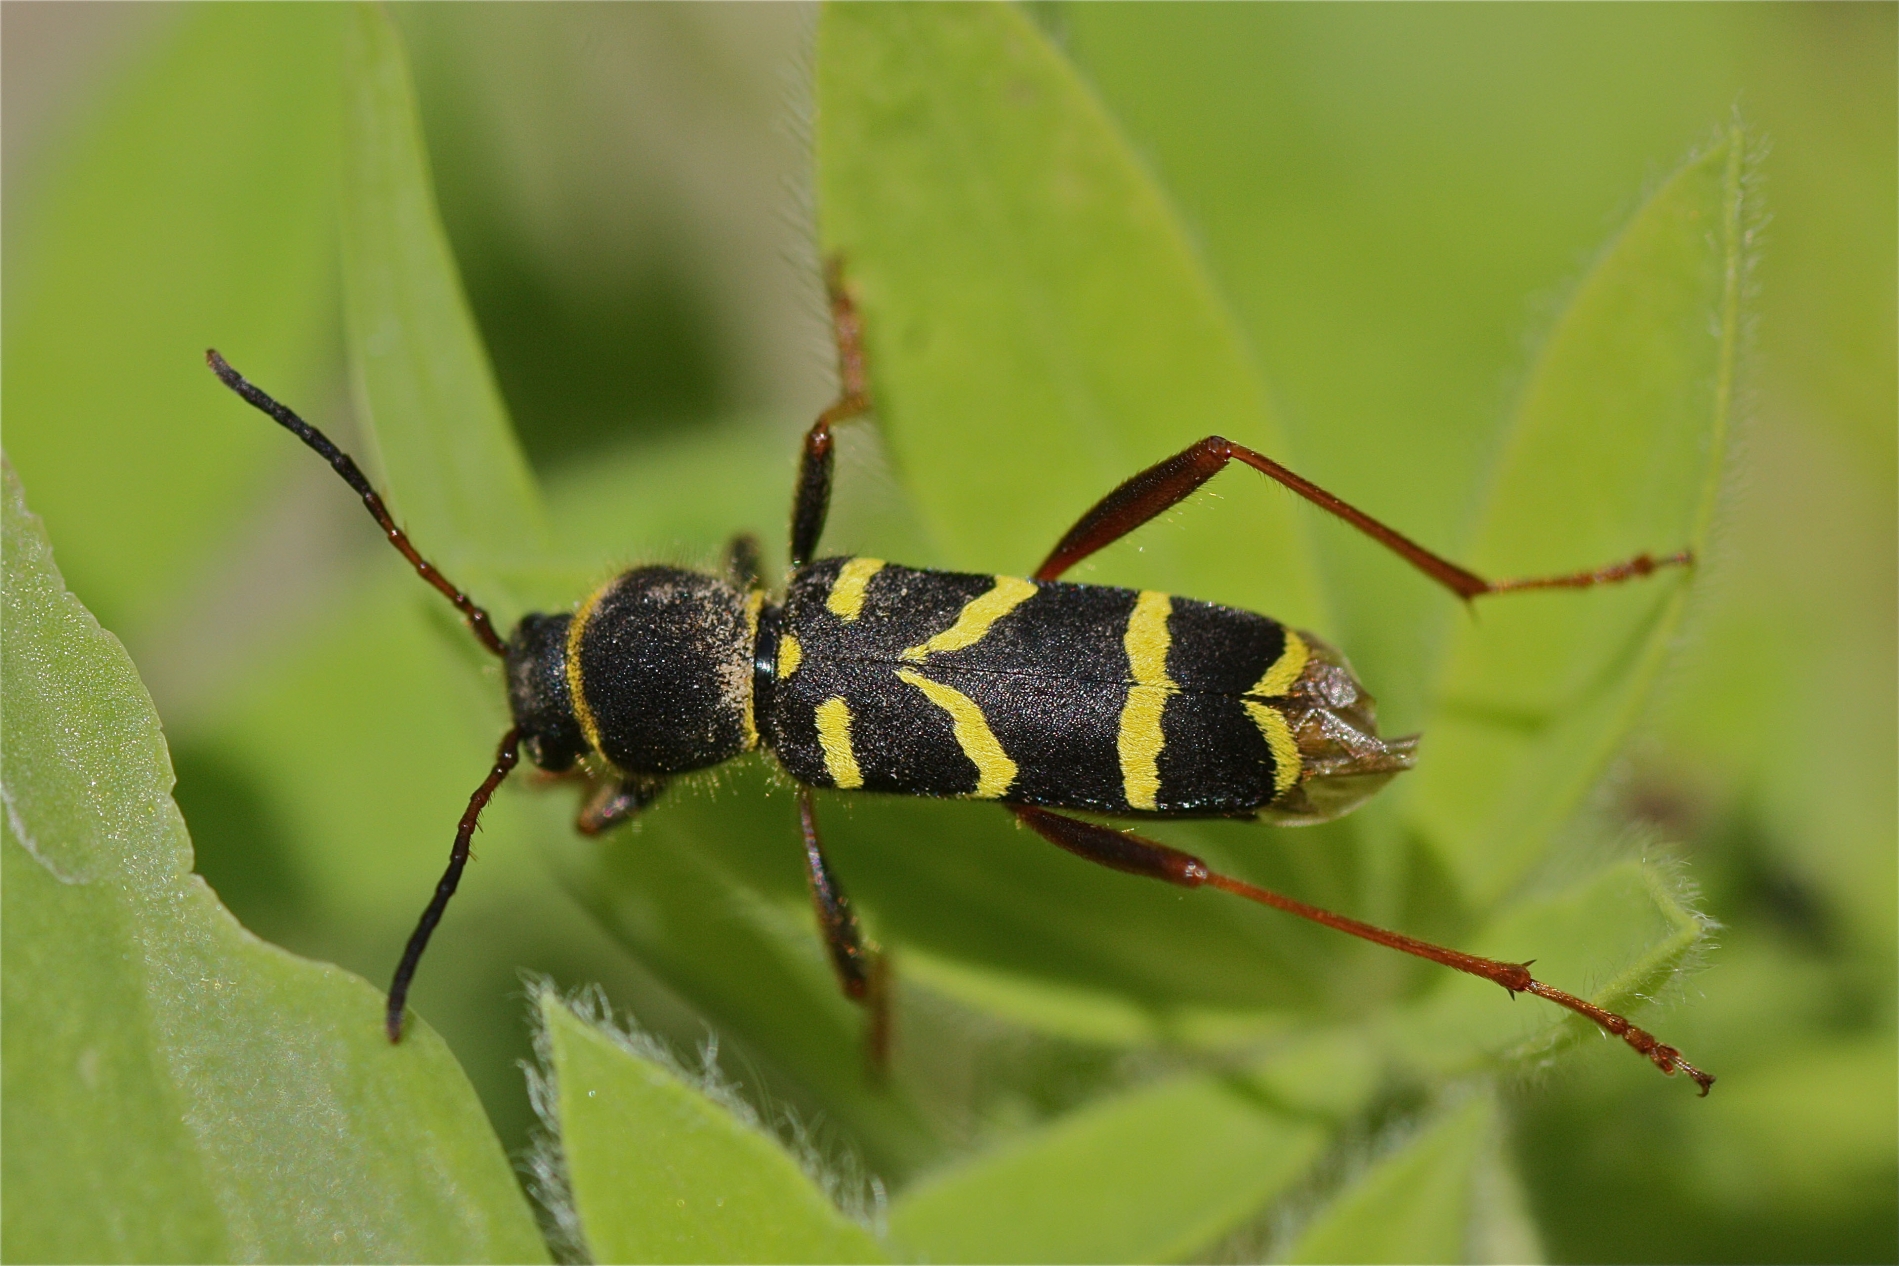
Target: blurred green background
(1392, 200)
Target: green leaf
(197, 211)
(710, 896)
(661, 1172)
(1615, 938)
(1038, 325)
(1442, 1196)
(1156, 1174)
(175, 1088)
(1616, 449)
(1806, 1132)
(456, 476)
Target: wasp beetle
(1039, 694)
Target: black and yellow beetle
(1039, 694)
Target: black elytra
(1038, 694)
(991, 687)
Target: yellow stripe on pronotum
(754, 603)
(846, 598)
(1140, 740)
(1285, 749)
(578, 626)
(834, 736)
(1277, 681)
(976, 618)
(995, 772)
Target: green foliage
(1089, 1067)
(700, 1182)
(1617, 441)
(422, 379)
(199, 213)
(1424, 1202)
(1626, 928)
(1155, 1174)
(1058, 334)
(177, 1089)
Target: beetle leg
(615, 802)
(1136, 855)
(741, 562)
(862, 969)
(1166, 484)
(813, 501)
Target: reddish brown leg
(1163, 486)
(861, 969)
(1132, 853)
(340, 461)
(505, 757)
(615, 802)
(813, 500)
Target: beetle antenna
(341, 462)
(506, 755)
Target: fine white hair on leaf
(827, 1162)
(544, 1164)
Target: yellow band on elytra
(1285, 749)
(995, 772)
(790, 655)
(1140, 739)
(834, 736)
(976, 618)
(1277, 681)
(846, 598)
